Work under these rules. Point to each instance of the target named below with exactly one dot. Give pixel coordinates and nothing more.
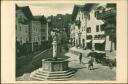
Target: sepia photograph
(66, 41)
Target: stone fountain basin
(53, 65)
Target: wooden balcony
(106, 14)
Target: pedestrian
(90, 63)
(80, 58)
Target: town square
(67, 41)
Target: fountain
(55, 68)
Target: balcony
(106, 14)
(108, 26)
(89, 37)
(99, 37)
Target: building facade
(88, 30)
(31, 31)
(39, 32)
(35, 34)
(23, 17)
(95, 31)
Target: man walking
(90, 63)
(80, 58)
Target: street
(99, 72)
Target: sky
(48, 9)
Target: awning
(98, 41)
(88, 41)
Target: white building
(95, 29)
(89, 32)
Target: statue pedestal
(53, 70)
(52, 65)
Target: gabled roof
(86, 7)
(26, 10)
(75, 11)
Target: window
(26, 40)
(89, 16)
(95, 14)
(26, 30)
(34, 38)
(88, 30)
(84, 28)
(43, 30)
(97, 28)
(38, 38)
(20, 28)
(43, 38)
(21, 40)
(36, 29)
(102, 27)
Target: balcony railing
(106, 14)
(89, 37)
(99, 37)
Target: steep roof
(75, 11)
(26, 10)
(86, 7)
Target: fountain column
(54, 43)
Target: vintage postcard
(64, 41)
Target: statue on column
(56, 44)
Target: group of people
(90, 62)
